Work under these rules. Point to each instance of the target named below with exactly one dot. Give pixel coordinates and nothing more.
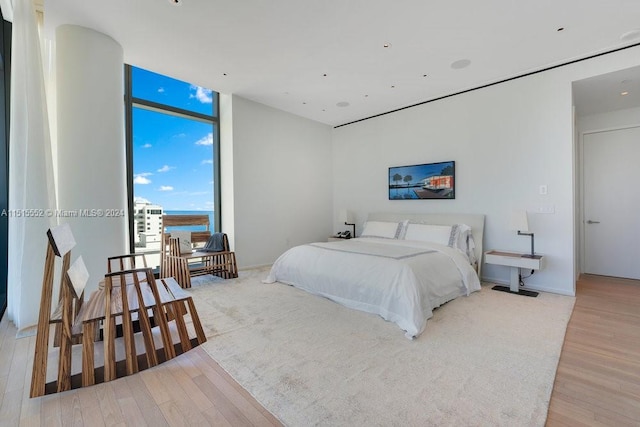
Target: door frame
(582, 189)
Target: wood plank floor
(598, 377)
(597, 384)
(189, 390)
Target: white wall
(506, 139)
(611, 120)
(282, 182)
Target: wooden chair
(180, 265)
(166, 299)
(127, 294)
(60, 242)
(126, 262)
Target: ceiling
(327, 60)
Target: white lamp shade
(345, 216)
(519, 221)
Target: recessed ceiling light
(342, 104)
(461, 63)
(386, 45)
(176, 2)
(624, 93)
(630, 35)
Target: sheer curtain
(31, 180)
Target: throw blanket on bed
(359, 246)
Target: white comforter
(400, 280)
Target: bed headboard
(475, 221)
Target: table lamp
(520, 223)
(347, 217)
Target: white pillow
(387, 230)
(185, 241)
(429, 233)
(462, 239)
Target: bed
(402, 267)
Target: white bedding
(401, 280)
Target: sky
(172, 156)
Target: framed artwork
(426, 181)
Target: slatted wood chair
(60, 242)
(127, 294)
(126, 262)
(183, 265)
(167, 300)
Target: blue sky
(172, 156)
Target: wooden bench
(182, 266)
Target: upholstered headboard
(475, 221)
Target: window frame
(132, 102)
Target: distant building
(148, 223)
(438, 182)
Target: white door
(611, 172)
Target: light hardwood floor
(598, 377)
(597, 384)
(189, 390)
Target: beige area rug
(485, 360)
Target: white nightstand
(516, 261)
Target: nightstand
(516, 261)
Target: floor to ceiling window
(5, 74)
(172, 148)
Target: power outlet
(543, 190)
(546, 209)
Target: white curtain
(31, 179)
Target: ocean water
(195, 227)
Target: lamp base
(523, 292)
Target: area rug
(484, 360)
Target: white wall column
(91, 144)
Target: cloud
(147, 145)
(160, 90)
(202, 94)
(166, 168)
(166, 188)
(139, 179)
(141, 200)
(207, 162)
(206, 140)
